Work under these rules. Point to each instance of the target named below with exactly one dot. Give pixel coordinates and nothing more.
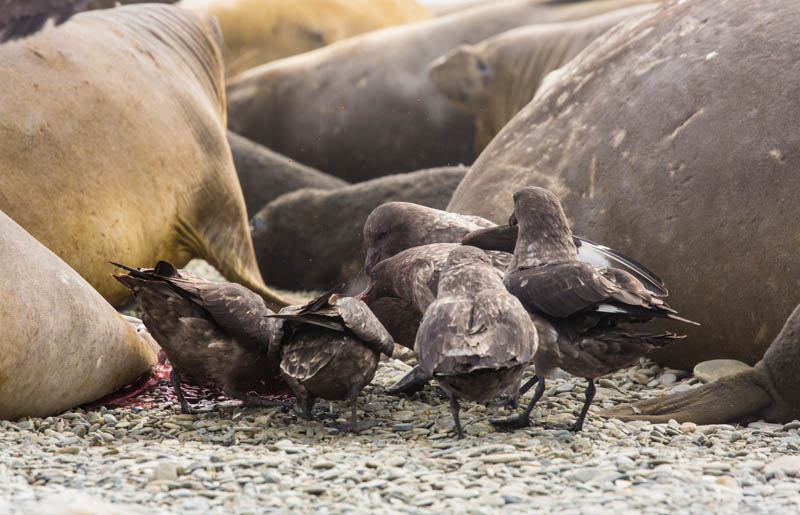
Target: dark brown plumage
(575, 305)
(210, 331)
(548, 277)
(475, 338)
(413, 274)
(330, 349)
(504, 238)
(412, 277)
(396, 226)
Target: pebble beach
(153, 459)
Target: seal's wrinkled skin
(116, 120)
(695, 177)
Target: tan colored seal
(112, 145)
(62, 344)
(258, 31)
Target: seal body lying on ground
(61, 343)
(125, 109)
(211, 331)
(266, 175)
(769, 390)
(330, 108)
(493, 80)
(476, 338)
(330, 349)
(702, 168)
(255, 31)
(312, 239)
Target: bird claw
(511, 423)
(506, 401)
(196, 411)
(325, 415)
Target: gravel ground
(235, 460)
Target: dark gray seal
(695, 177)
(364, 107)
(312, 239)
(493, 80)
(266, 175)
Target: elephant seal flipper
(229, 249)
(768, 390)
(728, 399)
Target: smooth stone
(794, 424)
(565, 387)
(582, 475)
(789, 465)
(667, 379)
(166, 471)
(712, 370)
(501, 458)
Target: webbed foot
(518, 421)
(410, 384)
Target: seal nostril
(480, 64)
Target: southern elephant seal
(769, 390)
(674, 137)
(256, 31)
(365, 107)
(115, 120)
(494, 79)
(266, 175)
(312, 239)
(62, 344)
